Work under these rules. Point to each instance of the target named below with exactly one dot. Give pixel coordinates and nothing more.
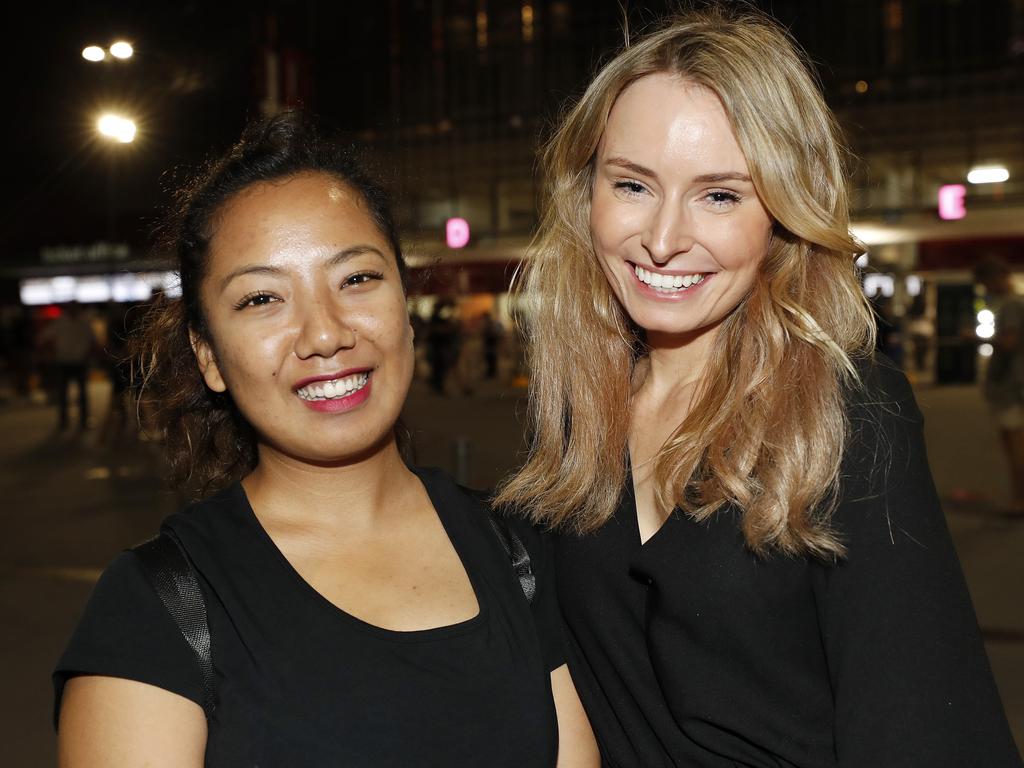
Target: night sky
(187, 83)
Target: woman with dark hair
(754, 568)
(359, 611)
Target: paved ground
(75, 501)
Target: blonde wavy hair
(767, 429)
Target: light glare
(116, 127)
(988, 175)
(93, 53)
(121, 50)
(951, 202)
(457, 233)
(986, 317)
(985, 350)
(985, 331)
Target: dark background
(406, 77)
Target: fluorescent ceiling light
(988, 175)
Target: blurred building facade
(926, 90)
(933, 90)
(453, 97)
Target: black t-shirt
(688, 650)
(302, 683)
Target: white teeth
(667, 283)
(331, 390)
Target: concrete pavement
(74, 501)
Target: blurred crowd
(48, 355)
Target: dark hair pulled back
(208, 442)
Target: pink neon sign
(456, 233)
(951, 201)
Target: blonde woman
(753, 565)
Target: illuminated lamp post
(121, 50)
(116, 129)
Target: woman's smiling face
(307, 324)
(676, 222)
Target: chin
(339, 452)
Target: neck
(358, 494)
(677, 360)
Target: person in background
(443, 343)
(117, 364)
(920, 331)
(752, 564)
(888, 329)
(1003, 388)
(360, 611)
(493, 333)
(73, 344)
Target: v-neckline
(634, 513)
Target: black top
(689, 650)
(300, 682)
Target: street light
(116, 127)
(992, 174)
(121, 50)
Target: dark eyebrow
(352, 251)
(248, 269)
(264, 269)
(706, 178)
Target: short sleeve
(546, 614)
(126, 632)
(911, 680)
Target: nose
(669, 232)
(323, 331)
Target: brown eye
(256, 299)
(360, 278)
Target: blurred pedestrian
(117, 367)
(493, 333)
(920, 331)
(443, 342)
(753, 565)
(888, 329)
(1004, 381)
(17, 343)
(73, 344)
(468, 364)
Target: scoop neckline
(340, 614)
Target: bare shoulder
(112, 722)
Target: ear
(207, 362)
